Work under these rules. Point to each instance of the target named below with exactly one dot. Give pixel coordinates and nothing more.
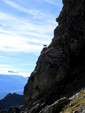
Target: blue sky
(25, 25)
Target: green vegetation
(76, 104)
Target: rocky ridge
(77, 103)
(74, 104)
(11, 100)
(60, 69)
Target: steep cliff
(60, 69)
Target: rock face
(60, 69)
(56, 106)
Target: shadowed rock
(60, 69)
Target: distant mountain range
(11, 100)
(11, 84)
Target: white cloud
(21, 35)
(16, 6)
(25, 74)
(53, 2)
(12, 43)
(56, 3)
(4, 68)
(36, 13)
(27, 24)
(3, 65)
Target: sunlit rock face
(60, 69)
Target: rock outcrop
(60, 69)
(77, 103)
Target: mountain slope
(60, 69)
(77, 103)
(11, 83)
(11, 100)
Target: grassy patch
(77, 102)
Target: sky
(25, 25)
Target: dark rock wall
(60, 69)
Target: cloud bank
(24, 29)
